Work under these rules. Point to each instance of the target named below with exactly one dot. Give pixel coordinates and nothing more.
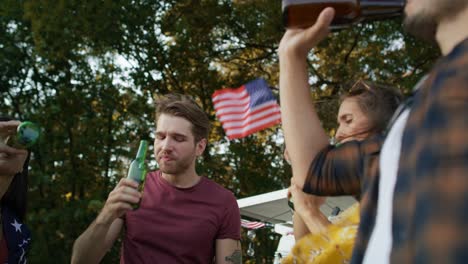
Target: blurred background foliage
(88, 71)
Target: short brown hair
(377, 101)
(183, 106)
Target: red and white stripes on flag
(247, 109)
(251, 224)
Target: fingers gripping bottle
(26, 136)
(304, 13)
(137, 170)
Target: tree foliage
(88, 73)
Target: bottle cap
(28, 133)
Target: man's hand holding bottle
(120, 201)
(298, 42)
(128, 192)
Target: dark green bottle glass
(27, 134)
(137, 170)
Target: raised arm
(97, 240)
(307, 216)
(303, 131)
(228, 251)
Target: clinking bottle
(304, 13)
(27, 134)
(137, 170)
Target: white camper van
(272, 208)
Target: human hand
(8, 128)
(305, 204)
(11, 160)
(120, 201)
(298, 42)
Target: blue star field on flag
(17, 235)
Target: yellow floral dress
(333, 246)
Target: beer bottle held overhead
(304, 13)
(27, 134)
(137, 170)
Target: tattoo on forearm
(236, 257)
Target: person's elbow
(75, 257)
(298, 181)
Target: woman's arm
(303, 131)
(307, 216)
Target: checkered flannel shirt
(430, 206)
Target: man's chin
(171, 170)
(167, 169)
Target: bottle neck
(381, 9)
(27, 134)
(141, 154)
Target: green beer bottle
(291, 203)
(137, 170)
(27, 134)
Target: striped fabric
(251, 224)
(247, 109)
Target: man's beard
(177, 167)
(424, 23)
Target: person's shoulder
(459, 53)
(373, 144)
(367, 146)
(217, 189)
(447, 80)
(214, 185)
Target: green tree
(88, 73)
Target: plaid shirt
(430, 206)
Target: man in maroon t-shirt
(183, 217)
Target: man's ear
(201, 145)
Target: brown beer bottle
(304, 13)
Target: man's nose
(166, 144)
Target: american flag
(247, 109)
(251, 224)
(17, 235)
